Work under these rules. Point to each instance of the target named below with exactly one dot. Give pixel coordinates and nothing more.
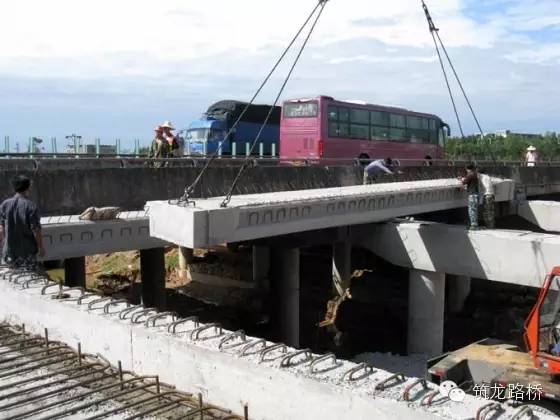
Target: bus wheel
(364, 159)
(428, 161)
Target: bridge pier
(261, 267)
(459, 291)
(75, 272)
(426, 304)
(341, 266)
(186, 257)
(152, 272)
(285, 287)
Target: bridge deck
(266, 215)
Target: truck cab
(204, 136)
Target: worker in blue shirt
(376, 168)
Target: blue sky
(114, 69)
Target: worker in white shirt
(488, 199)
(532, 156)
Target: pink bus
(324, 128)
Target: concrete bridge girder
(250, 217)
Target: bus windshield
(300, 110)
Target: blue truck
(204, 135)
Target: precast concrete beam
(544, 214)
(69, 237)
(205, 223)
(212, 362)
(508, 256)
(426, 307)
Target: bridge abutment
(75, 272)
(152, 272)
(426, 304)
(285, 287)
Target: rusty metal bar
(44, 395)
(131, 405)
(40, 365)
(77, 397)
(160, 315)
(286, 361)
(106, 308)
(195, 334)
(393, 380)
(31, 353)
(487, 408)
(324, 358)
(229, 337)
(49, 375)
(51, 383)
(172, 328)
(274, 347)
(126, 311)
(252, 344)
(406, 393)
(349, 374)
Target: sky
(116, 68)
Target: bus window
(398, 121)
(358, 131)
(343, 114)
(359, 116)
(441, 137)
(333, 113)
(379, 132)
(380, 118)
(300, 110)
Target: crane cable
(184, 200)
(434, 29)
(227, 198)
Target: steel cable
(227, 199)
(184, 199)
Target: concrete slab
(70, 237)
(224, 375)
(544, 214)
(266, 215)
(516, 257)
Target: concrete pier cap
(204, 223)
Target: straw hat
(531, 148)
(157, 128)
(167, 124)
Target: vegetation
(511, 148)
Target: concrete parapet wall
(544, 214)
(224, 377)
(68, 186)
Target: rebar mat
(43, 379)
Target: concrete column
(341, 266)
(426, 305)
(459, 291)
(152, 272)
(75, 272)
(186, 257)
(261, 267)
(285, 284)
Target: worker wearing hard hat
(171, 139)
(532, 156)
